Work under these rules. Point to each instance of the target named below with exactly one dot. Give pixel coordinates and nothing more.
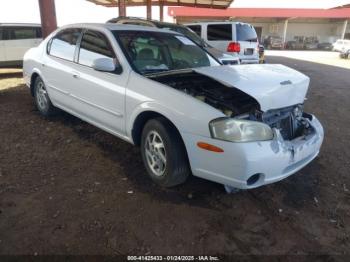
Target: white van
(15, 40)
(234, 37)
(341, 45)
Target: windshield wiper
(168, 72)
(152, 71)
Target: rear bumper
(273, 160)
(249, 61)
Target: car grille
(286, 120)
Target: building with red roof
(325, 25)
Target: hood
(273, 86)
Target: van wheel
(163, 153)
(42, 100)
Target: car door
(20, 40)
(57, 67)
(100, 95)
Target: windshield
(151, 52)
(246, 32)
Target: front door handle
(76, 75)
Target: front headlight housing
(238, 130)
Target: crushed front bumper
(271, 160)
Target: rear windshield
(246, 33)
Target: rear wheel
(42, 100)
(163, 153)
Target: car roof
(19, 25)
(148, 21)
(116, 27)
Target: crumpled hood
(273, 86)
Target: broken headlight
(237, 130)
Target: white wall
(325, 31)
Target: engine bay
(231, 101)
(290, 121)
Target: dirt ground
(68, 188)
(322, 57)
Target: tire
(42, 100)
(167, 145)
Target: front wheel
(164, 154)
(42, 100)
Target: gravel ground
(68, 188)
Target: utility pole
(48, 16)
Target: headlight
(237, 130)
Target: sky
(76, 11)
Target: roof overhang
(343, 13)
(218, 4)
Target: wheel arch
(33, 78)
(142, 118)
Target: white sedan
(241, 126)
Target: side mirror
(104, 65)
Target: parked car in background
(292, 44)
(311, 46)
(325, 46)
(344, 54)
(241, 126)
(341, 44)
(224, 57)
(233, 37)
(298, 43)
(273, 42)
(15, 40)
(310, 43)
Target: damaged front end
(272, 137)
(290, 121)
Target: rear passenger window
(94, 45)
(219, 32)
(196, 28)
(22, 33)
(64, 43)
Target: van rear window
(246, 33)
(219, 32)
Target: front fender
(175, 116)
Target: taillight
(234, 47)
